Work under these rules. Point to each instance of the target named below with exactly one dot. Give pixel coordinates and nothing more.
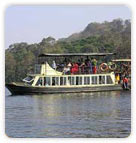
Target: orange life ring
(104, 67)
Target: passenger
(94, 64)
(82, 66)
(74, 69)
(118, 78)
(87, 66)
(79, 62)
(54, 65)
(94, 70)
(61, 67)
(65, 60)
(87, 60)
(69, 66)
(125, 82)
(79, 65)
(66, 70)
(90, 67)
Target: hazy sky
(33, 23)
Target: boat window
(86, 80)
(71, 80)
(80, 80)
(37, 69)
(94, 79)
(62, 80)
(109, 80)
(47, 81)
(39, 82)
(28, 79)
(101, 79)
(55, 81)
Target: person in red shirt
(125, 82)
(94, 70)
(75, 68)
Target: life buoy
(112, 66)
(104, 67)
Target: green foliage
(112, 36)
(10, 67)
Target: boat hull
(29, 90)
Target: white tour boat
(50, 81)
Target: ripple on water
(106, 114)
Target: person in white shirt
(54, 65)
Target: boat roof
(74, 54)
(121, 60)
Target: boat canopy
(74, 54)
(121, 60)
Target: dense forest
(112, 36)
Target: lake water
(86, 115)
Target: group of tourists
(88, 66)
(80, 67)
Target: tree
(10, 66)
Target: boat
(50, 81)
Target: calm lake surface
(99, 114)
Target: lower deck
(71, 80)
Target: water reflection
(99, 114)
(51, 106)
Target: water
(105, 114)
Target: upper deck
(82, 59)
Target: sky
(27, 23)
